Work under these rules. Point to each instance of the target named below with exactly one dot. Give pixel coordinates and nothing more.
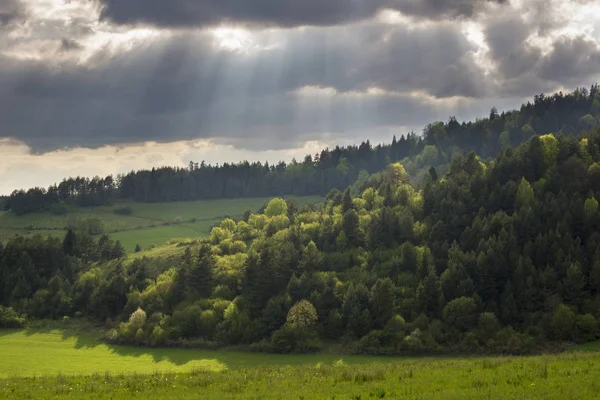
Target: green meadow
(55, 363)
(43, 352)
(149, 224)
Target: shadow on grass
(86, 334)
(178, 357)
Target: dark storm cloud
(435, 9)
(571, 59)
(10, 10)
(183, 87)
(69, 45)
(506, 38)
(283, 13)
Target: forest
(495, 250)
(330, 169)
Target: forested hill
(332, 168)
(502, 256)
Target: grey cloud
(10, 10)
(571, 59)
(434, 9)
(181, 87)
(523, 68)
(186, 13)
(69, 45)
(506, 38)
(283, 13)
(184, 88)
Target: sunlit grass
(51, 351)
(59, 364)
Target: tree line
(499, 256)
(335, 168)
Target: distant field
(54, 364)
(149, 224)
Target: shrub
(158, 337)
(302, 315)
(59, 208)
(137, 319)
(276, 207)
(396, 325)
(111, 336)
(208, 323)
(125, 210)
(10, 319)
(461, 313)
(375, 342)
(186, 321)
(563, 322)
(587, 327)
(140, 336)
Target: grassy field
(62, 364)
(49, 352)
(149, 224)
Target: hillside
(500, 256)
(446, 251)
(134, 223)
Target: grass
(149, 224)
(60, 365)
(49, 351)
(71, 364)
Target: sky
(98, 87)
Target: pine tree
(311, 258)
(347, 202)
(381, 302)
(200, 279)
(70, 243)
(118, 251)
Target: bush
(59, 208)
(186, 321)
(375, 342)
(111, 336)
(396, 325)
(125, 210)
(138, 319)
(563, 322)
(461, 313)
(587, 328)
(290, 340)
(10, 319)
(140, 336)
(158, 337)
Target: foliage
(496, 256)
(10, 319)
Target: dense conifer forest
(483, 238)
